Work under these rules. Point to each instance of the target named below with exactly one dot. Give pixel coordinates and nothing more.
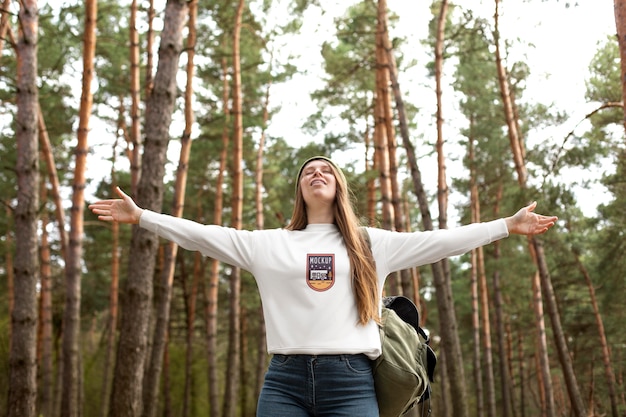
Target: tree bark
(505, 93)
(149, 82)
(578, 407)
(135, 97)
(442, 185)
(475, 214)
(606, 354)
(72, 379)
(543, 375)
(505, 374)
(517, 149)
(450, 342)
(22, 356)
(4, 22)
(211, 289)
(261, 348)
(126, 397)
(234, 316)
(164, 296)
(381, 135)
(620, 24)
(46, 368)
(113, 287)
(53, 177)
(198, 269)
(191, 295)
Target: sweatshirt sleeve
(232, 246)
(401, 250)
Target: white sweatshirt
(304, 276)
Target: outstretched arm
(122, 210)
(527, 222)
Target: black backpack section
(408, 312)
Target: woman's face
(318, 183)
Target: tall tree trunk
(126, 397)
(475, 214)
(543, 372)
(135, 96)
(164, 296)
(4, 22)
(8, 262)
(244, 396)
(113, 287)
(578, 406)
(478, 374)
(167, 384)
(22, 356)
(620, 23)
(234, 339)
(484, 296)
(53, 177)
(47, 396)
(384, 51)
(70, 400)
(448, 325)
(401, 280)
(371, 181)
(261, 348)
(486, 328)
(505, 93)
(381, 135)
(191, 295)
(211, 289)
(522, 376)
(606, 354)
(518, 157)
(149, 82)
(444, 384)
(112, 321)
(198, 269)
(442, 184)
(443, 278)
(46, 368)
(505, 372)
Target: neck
(321, 216)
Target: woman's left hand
(527, 222)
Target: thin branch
(610, 104)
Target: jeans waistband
(340, 356)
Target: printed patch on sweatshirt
(320, 271)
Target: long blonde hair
(362, 265)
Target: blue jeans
(318, 386)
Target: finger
(99, 205)
(120, 193)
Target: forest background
(180, 104)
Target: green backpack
(404, 370)
(406, 367)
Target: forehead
(316, 163)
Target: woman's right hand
(122, 210)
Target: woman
(320, 288)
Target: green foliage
(346, 101)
